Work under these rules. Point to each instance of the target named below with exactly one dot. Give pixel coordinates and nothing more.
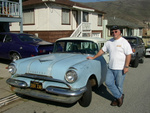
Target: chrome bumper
(50, 93)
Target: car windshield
(29, 38)
(76, 46)
(132, 41)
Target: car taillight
(41, 51)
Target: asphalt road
(136, 90)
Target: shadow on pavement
(102, 91)
(4, 61)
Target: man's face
(116, 34)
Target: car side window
(141, 41)
(8, 38)
(2, 36)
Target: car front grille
(42, 77)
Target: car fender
(14, 51)
(88, 68)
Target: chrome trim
(47, 96)
(42, 77)
(65, 92)
(17, 83)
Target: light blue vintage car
(65, 76)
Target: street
(136, 90)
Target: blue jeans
(114, 82)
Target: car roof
(15, 33)
(94, 39)
(131, 37)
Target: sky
(89, 0)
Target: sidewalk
(4, 87)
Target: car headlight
(71, 76)
(12, 69)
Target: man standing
(120, 55)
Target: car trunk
(45, 49)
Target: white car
(147, 53)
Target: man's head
(115, 32)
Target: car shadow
(4, 61)
(102, 91)
(147, 56)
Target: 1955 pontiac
(65, 76)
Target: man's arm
(127, 62)
(97, 55)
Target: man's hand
(89, 57)
(125, 70)
(97, 55)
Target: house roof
(17, 0)
(62, 2)
(122, 23)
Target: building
(127, 28)
(53, 19)
(10, 11)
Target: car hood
(49, 65)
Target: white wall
(48, 18)
(93, 19)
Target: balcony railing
(83, 30)
(9, 9)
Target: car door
(5, 45)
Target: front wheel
(136, 62)
(141, 60)
(87, 96)
(15, 56)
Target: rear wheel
(87, 96)
(15, 56)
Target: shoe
(120, 100)
(114, 102)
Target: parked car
(138, 48)
(147, 53)
(64, 76)
(14, 46)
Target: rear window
(131, 40)
(29, 38)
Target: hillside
(136, 11)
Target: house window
(140, 32)
(85, 17)
(99, 20)
(28, 16)
(66, 16)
